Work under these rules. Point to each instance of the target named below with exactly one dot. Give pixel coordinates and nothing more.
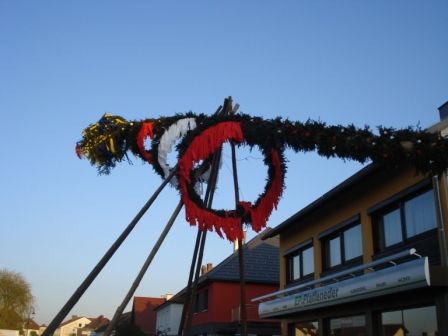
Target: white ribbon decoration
(168, 139)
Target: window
(304, 328)
(416, 321)
(201, 301)
(300, 263)
(404, 219)
(349, 325)
(342, 246)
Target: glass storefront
(304, 329)
(421, 321)
(348, 325)
(410, 322)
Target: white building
(7, 332)
(70, 327)
(168, 316)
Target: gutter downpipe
(439, 217)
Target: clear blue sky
(65, 63)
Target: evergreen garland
(107, 142)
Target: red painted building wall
(225, 296)
(143, 313)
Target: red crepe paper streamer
(78, 151)
(200, 148)
(145, 131)
(260, 214)
(207, 143)
(230, 224)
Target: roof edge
(355, 178)
(362, 173)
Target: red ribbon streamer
(260, 214)
(78, 151)
(230, 225)
(200, 148)
(145, 131)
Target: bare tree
(15, 299)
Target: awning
(400, 277)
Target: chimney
(74, 317)
(443, 110)
(167, 296)
(206, 268)
(235, 242)
(209, 267)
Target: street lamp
(30, 312)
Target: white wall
(27, 332)
(72, 327)
(5, 332)
(168, 318)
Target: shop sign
(409, 275)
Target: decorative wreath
(200, 148)
(164, 144)
(107, 142)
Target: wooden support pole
(193, 263)
(243, 311)
(199, 246)
(190, 280)
(57, 320)
(194, 287)
(208, 202)
(199, 238)
(143, 270)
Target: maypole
(108, 141)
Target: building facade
(72, 326)
(367, 258)
(169, 316)
(216, 310)
(89, 329)
(144, 315)
(30, 328)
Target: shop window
(343, 246)
(201, 301)
(304, 329)
(300, 263)
(349, 325)
(401, 221)
(416, 321)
